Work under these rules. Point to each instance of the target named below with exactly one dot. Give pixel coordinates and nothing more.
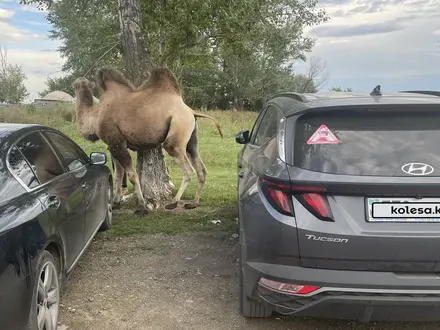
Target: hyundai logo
(417, 169)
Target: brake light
(275, 184)
(295, 289)
(281, 199)
(293, 188)
(316, 204)
(278, 195)
(304, 189)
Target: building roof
(58, 96)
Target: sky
(24, 34)
(394, 43)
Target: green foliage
(338, 89)
(30, 108)
(219, 196)
(12, 88)
(223, 52)
(59, 84)
(12, 77)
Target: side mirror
(242, 137)
(98, 158)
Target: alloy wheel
(48, 297)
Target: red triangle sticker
(323, 136)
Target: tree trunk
(154, 177)
(162, 48)
(136, 55)
(151, 167)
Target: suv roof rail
(297, 96)
(435, 93)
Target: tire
(251, 308)
(45, 304)
(107, 224)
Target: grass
(219, 196)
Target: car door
(59, 191)
(24, 227)
(265, 128)
(243, 155)
(78, 163)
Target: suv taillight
(280, 195)
(316, 204)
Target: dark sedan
(53, 200)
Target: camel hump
(162, 78)
(107, 74)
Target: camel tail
(201, 115)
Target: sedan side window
(72, 155)
(268, 126)
(21, 169)
(41, 157)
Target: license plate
(403, 209)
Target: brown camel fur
(139, 119)
(85, 113)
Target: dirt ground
(187, 281)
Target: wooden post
(151, 167)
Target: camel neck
(85, 115)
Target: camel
(142, 118)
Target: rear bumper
(363, 296)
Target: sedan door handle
(84, 185)
(54, 202)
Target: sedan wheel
(109, 217)
(46, 298)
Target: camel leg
(194, 156)
(124, 177)
(119, 172)
(201, 176)
(123, 157)
(183, 161)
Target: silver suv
(339, 206)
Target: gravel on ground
(184, 281)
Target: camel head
(85, 118)
(84, 92)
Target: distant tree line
(226, 54)
(339, 89)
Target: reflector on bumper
(288, 288)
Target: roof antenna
(376, 91)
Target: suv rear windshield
(368, 143)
